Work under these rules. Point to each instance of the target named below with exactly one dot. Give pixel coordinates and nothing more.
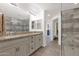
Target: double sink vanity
(20, 44)
(16, 39)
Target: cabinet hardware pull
(72, 45)
(17, 49)
(32, 48)
(32, 37)
(72, 40)
(39, 39)
(72, 48)
(32, 41)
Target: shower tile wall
(70, 32)
(14, 25)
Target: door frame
(58, 17)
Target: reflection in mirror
(14, 25)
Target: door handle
(72, 48)
(39, 39)
(32, 48)
(32, 41)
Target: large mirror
(36, 24)
(14, 25)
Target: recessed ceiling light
(75, 3)
(48, 14)
(13, 4)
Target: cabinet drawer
(11, 42)
(38, 41)
(32, 48)
(31, 44)
(32, 39)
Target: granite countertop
(9, 37)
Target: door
(1, 24)
(55, 28)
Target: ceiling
(51, 8)
(66, 6)
(35, 8)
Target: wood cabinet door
(20, 49)
(39, 41)
(7, 52)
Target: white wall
(47, 22)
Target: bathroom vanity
(20, 45)
(16, 39)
